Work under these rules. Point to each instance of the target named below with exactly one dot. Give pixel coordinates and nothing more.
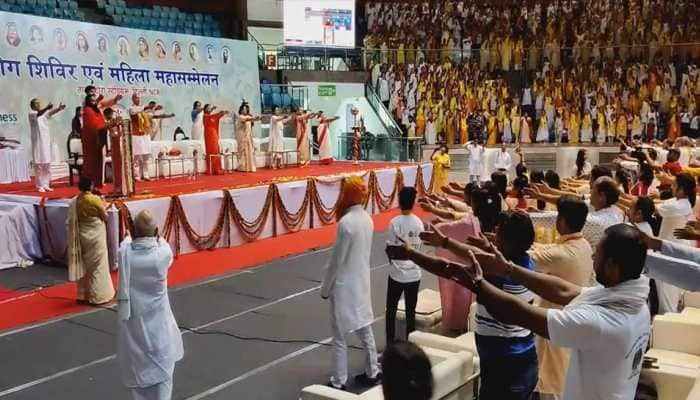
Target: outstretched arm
(503, 306)
(546, 286)
(57, 110)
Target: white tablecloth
(13, 166)
(19, 233)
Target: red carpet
(59, 300)
(175, 186)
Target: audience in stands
(575, 71)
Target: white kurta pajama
(149, 342)
(347, 283)
(140, 144)
(675, 213)
(276, 145)
(41, 147)
(197, 132)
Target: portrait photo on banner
(55, 59)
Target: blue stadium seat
(267, 100)
(199, 17)
(157, 8)
(172, 24)
(122, 3)
(276, 89)
(181, 16)
(147, 13)
(163, 23)
(109, 9)
(118, 19)
(286, 100)
(265, 89)
(11, 2)
(5, 7)
(276, 99)
(16, 9)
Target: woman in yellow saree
(441, 166)
(87, 247)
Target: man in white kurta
(149, 342)
(41, 141)
(476, 161)
(347, 284)
(141, 137)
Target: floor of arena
(73, 357)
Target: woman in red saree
(91, 137)
(211, 139)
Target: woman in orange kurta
(211, 139)
(93, 126)
(674, 127)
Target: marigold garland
(176, 217)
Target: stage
(208, 212)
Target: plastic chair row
(269, 89)
(270, 100)
(51, 12)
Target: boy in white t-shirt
(404, 276)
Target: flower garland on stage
(176, 219)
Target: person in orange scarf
(346, 283)
(211, 139)
(93, 138)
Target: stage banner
(55, 59)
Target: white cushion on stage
(453, 374)
(676, 349)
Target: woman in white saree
(88, 263)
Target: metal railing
(277, 56)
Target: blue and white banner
(54, 59)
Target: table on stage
(19, 229)
(13, 166)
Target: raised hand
(432, 236)
(397, 251)
(687, 233)
(49, 106)
(480, 242)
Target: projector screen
(319, 23)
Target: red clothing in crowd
(93, 124)
(211, 142)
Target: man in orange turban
(347, 284)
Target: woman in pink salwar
(456, 299)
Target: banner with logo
(54, 60)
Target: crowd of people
(525, 72)
(556, 253)
(559, 269)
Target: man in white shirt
(141, 137)
(41, 141)
(149, 342)
(475, 149)
(603, 214)
(384, 92)
(503, 160)
(346, 283)
(606, 327)
(404, 276)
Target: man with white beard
(347, 284)
(149, 342)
